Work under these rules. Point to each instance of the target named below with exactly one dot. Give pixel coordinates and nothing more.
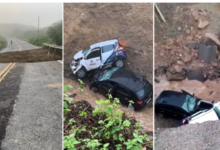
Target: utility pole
(38, 27)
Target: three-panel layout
(109, 76)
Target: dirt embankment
(131, 24)
(179, 41)
(35, 55)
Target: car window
(108, 74)
(107, 48)
(94, 53)
(189, 104)
(122, 92)
(143, 92)
(86, 51)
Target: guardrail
(53, 46)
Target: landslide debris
(192, 48)
(131, 24)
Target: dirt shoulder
(131, 24)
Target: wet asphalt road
(30, 103)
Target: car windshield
(86, 51)
(143, 92)
(107, 74)
(190, 103)
(217, 111)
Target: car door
(93, 59)
(178, 112)
(123, 94)
(107, 50)
(106, 88)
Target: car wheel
(81, 73)
(119, 62)
(94, 89)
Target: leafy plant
(83, 113)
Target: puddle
(145, 115)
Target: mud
(28, 56)
(145, 115)
(92, 121)
(176, 49)
(131, 24)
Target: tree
(54, 32)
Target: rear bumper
(145, 102)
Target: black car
(179, 105)
(124, 85)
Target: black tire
(94, 89)
(119, 62)
(81, 73)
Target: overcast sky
(27, 13)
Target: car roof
(171, 98)
(104, 43)
(128, 79)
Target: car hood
(78, 55)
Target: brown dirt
(28, 56)
(145, 115)
(131, 24)
(171, 52)
(90, 122)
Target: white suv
(105, 53)
(212, 114)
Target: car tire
(119, 62)
(94, 89)
(81, 73)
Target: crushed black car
(122, 84)
(179, 105)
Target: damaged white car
(107, 53)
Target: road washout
(131, 24)
(181, 63)
(145, 115)
(29, 56)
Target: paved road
(30, 103)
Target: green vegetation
(101, 128)
(2, 42)
(54, 32)
(53, 35)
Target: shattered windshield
(190, 103)
(108, 74)
(86, 51)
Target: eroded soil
(92, 121)
(174, 58)
(145, 115)
(28, 56)
(131, 24)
